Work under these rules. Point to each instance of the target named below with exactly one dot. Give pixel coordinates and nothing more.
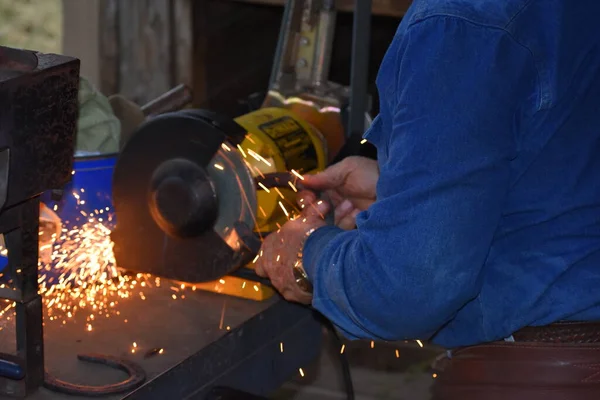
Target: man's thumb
(330, 178)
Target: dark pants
(559, 362)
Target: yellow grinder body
(279, 141)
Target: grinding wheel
(184, 201)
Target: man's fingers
(343, 209)
(318, 209)
(348, 222)
(260, 271)
(305, 197)
(332, 177)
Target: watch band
(299, 272)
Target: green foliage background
(31, 24)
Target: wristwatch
(299, 272)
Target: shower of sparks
(363, 141)
(292, 186)
(297, 174)
(284, 209)
(279, 193)
(219, 166)
(281, 347)
(420, 343)
(263, 187)
(397, 353)
(78, 277)
(242, 151)
(258, 157)
(81, 275)
(301, 372)
(342, 349)
(225, 147)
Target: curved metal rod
(137, 376)
(283, 180)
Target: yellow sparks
(262, 211)
(281, 346)
(301, 372)
(161, 351)
(278, 257)
(222, 281)
(397, 353)
(228, 327)
(284, 210)
(342, 349)
(258, 157)
(244, 285)
(363, 141)
(263, 187)
(279, 193)
(297, 174)
(225, 147)
(255, 259)
(434, 376)
(89, 327)
(174, 297)
(134, 344)
(372, 344)
(256, 288)
(293, 187)
(219, 166)
(241, 151)
(420, 343)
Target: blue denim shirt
(487, 216)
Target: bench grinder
(193, 191)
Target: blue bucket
(88, 193)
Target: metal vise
(38, 118)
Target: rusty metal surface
(180, 327)
(38, 114)
(38, 117)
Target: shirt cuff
(314, 246)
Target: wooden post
(145, 46)
(80, 36)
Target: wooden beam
(390, 8)
(109, 46)
(81, 36)
(182, 42)
(145, 52)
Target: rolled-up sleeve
(416, 255)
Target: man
(479, 225)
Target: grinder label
(294, 142)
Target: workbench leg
(22, 246)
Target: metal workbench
(200, 353)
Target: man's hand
(350, 185)
(280, 250)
